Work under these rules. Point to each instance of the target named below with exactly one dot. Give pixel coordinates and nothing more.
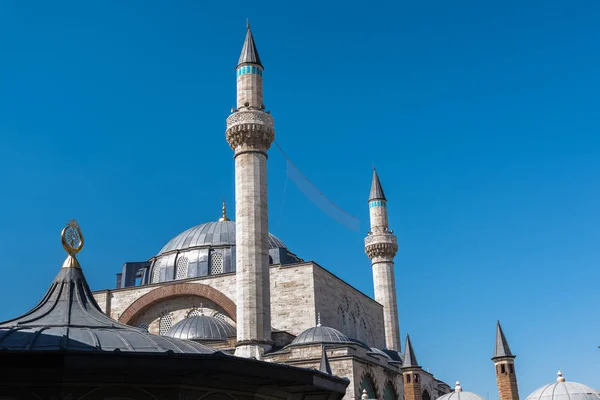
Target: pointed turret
(501, 349)
(410, 359)
(249, 52)
(324, 366)
(504, 361)
(376, 189)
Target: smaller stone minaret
(381, 247)
(504, 360)
(411, 373)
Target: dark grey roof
(201, 327)
(394, 355)
(324, 365)
(218, 233)
(379, 352)
(249, 52)
(409, 359)
(68, 318)
(501, 349)
(376, 189)
(321, 334)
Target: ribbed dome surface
(217, 233)
(459, 395)
(564, 391)
(201, 327)
(321, 334)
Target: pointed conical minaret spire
(324, 366)
(376, 189)
(410, 359)
(249, 52)
(504, 361)
(501, 349)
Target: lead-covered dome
(458, 394)
(206, 249)
(201, 327)
(563, 390)
(321, 334)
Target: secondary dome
(201, 327)
(321, 334)
(458, 394)
(563, 390)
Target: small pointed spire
(223, 212)
(560, 378)
(410, 359)
(501, 349)
(318, 319)
(458, 388)
(324, 366)
(72, 241)
(249, 52)
(376, 189)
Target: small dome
(458, 394)
(563, 390)
(201, 327)
(394, 355)
(379, 352)
(321, 334)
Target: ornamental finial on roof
(223, 212)
(247, 24)
(560, 377)
(458, 388)
(318, 319)
(72, 241)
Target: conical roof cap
(501, 348)
(249, 52)
(376, 189)
(410, 359)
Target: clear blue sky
(481, 116)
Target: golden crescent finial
(72, 241)
(223, 212)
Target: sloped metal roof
(321, 334)
(376, 189)
(201, 327)
(501, 348)
(249, 52)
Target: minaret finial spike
(560, 377)
(319, 319)
(247, 24)
(72, 241)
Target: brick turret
(411, 373)
(504, 361)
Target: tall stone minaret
(250, 134)
(504, 361)
(381, 247)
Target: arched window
(194, 313)
(426, 395)
(389, 393)
(156, 272)
(367, 384)
(182, 268)
(165, 323)
(216, 263)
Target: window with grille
(165, 323)
(194, 313)
(156, 273)
(220, 316)
(216, 263)
(143, 326)
(182, 268)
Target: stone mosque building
(228, 285)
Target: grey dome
(394, 355)
(217, 233)
(201, 327)
(321, 334)
(68, 318)
(379, 352)
(563, 390)
(458, 394)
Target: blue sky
(482, 119)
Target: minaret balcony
(381, 244)
(250, 128)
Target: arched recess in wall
(367, 383)
(176, 290)
(389, 393)
(426, 395)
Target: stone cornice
(381, 245)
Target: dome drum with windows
(205, 249)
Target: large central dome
(207, 249)
(218, 233)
